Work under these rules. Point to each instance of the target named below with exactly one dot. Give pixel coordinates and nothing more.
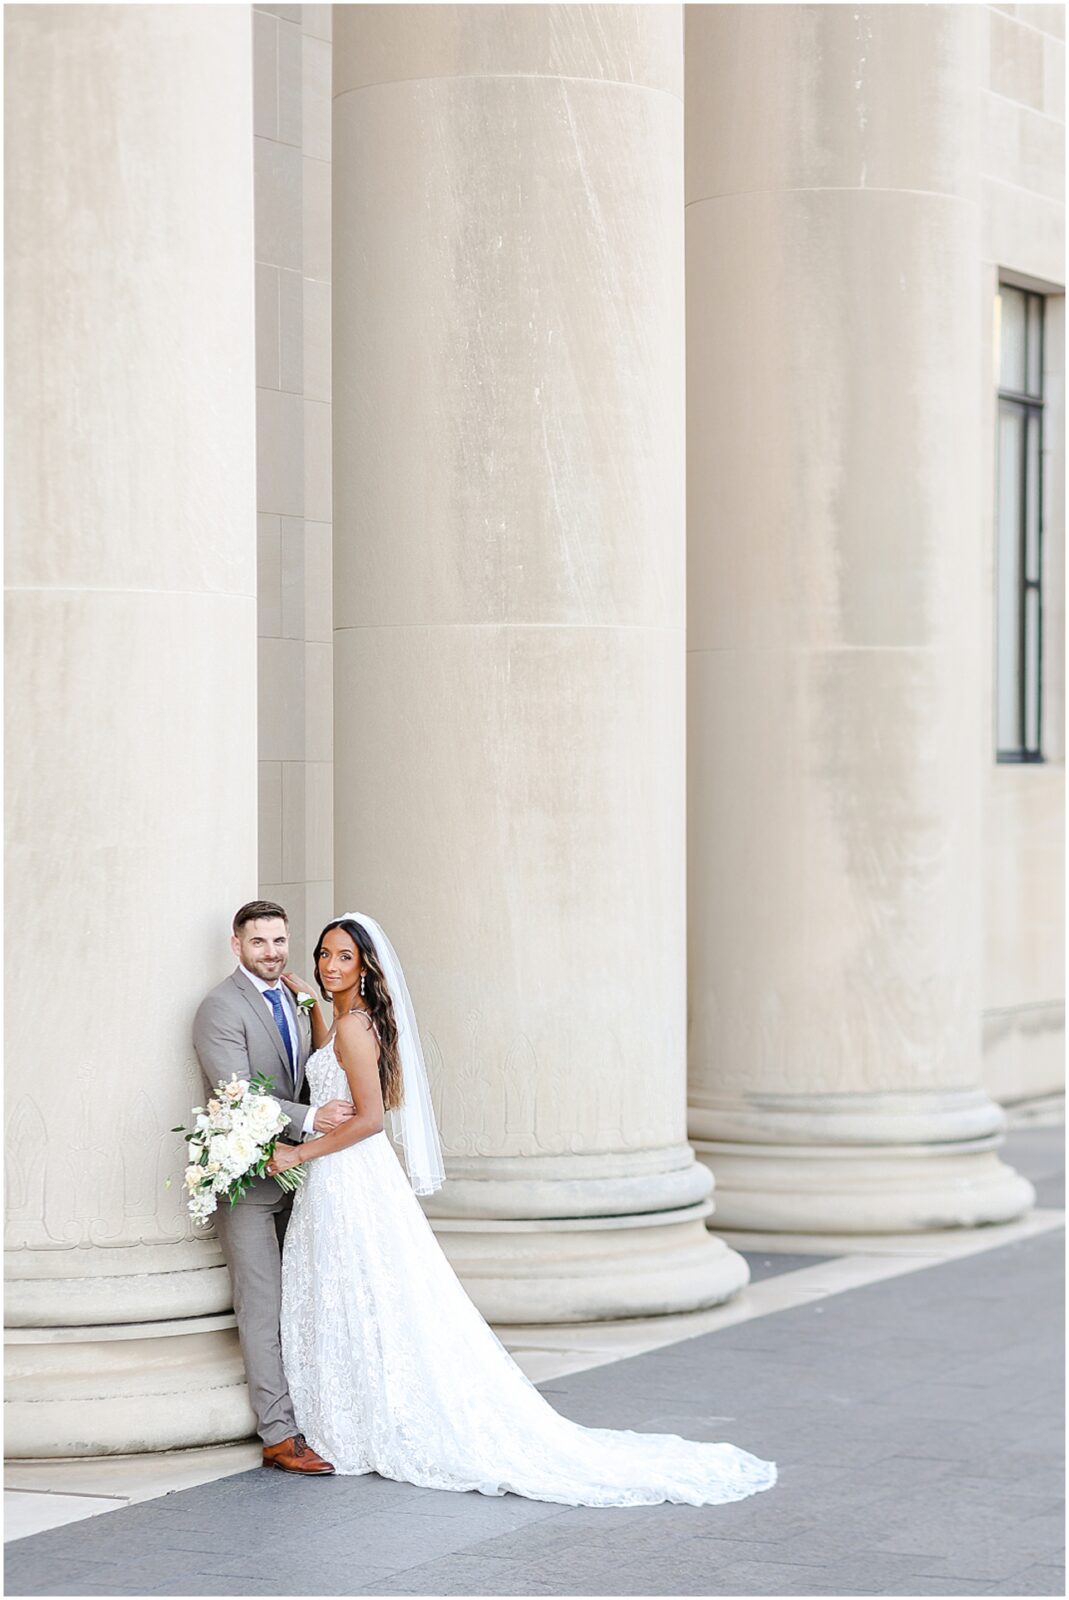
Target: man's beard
(267, 971)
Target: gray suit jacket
(234, 1032)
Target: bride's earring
(363, 982)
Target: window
(1018, 584)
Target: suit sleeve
(223, 1052)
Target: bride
(390, 1366)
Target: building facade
(583, 484)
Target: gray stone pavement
(917, 1423)
(1040, 1154)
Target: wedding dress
(393, 1370)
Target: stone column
(509, 612)
(131, 736)
(291, 120)
(836, 651)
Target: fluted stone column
(509, 649)
(834, 373)
(131, 734)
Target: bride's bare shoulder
(355, 1026)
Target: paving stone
(32, 1566)
(773, 1264)
(865, 1567)
(464, 1575)
(1050, 1193)
(935, 1586)
(279, 1585)
(689, 1566)
(983, 1557)
(622, 1541)
(959, 1402)
(1038, 1153)
(157, 1566)
(113, 1538)
(909, 1472)
(1047, 1524)
(80, 1586)
(772, 1578)
(305, 1572)
(405, 1539)
(1036, 1580)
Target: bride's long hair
(379, 1004)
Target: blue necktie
(280, 1017)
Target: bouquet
(232, 1140)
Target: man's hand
(332, 1115)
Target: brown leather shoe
(295, 1455)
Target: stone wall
(1022, 200)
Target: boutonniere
(305, 1002)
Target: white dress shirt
(295, 1043)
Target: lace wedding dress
(393, 1370)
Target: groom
(250, 1023)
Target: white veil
(412, 1123)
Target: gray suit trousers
(251, 1237)
(234, 1032)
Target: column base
(116, 1299)
(584, 1238)
(864, 1163)
(601, 1184)
(593, 1270)
(125, 1389)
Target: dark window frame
(1026, 405)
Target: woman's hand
(285, 1156)
(298, 986)
(314, 1012)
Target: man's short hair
(256, 909)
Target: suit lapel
(258, 1006)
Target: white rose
(218, 1150)
(201, 1122)
(193, 1177)
(262, 1117)
(241, 1151)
